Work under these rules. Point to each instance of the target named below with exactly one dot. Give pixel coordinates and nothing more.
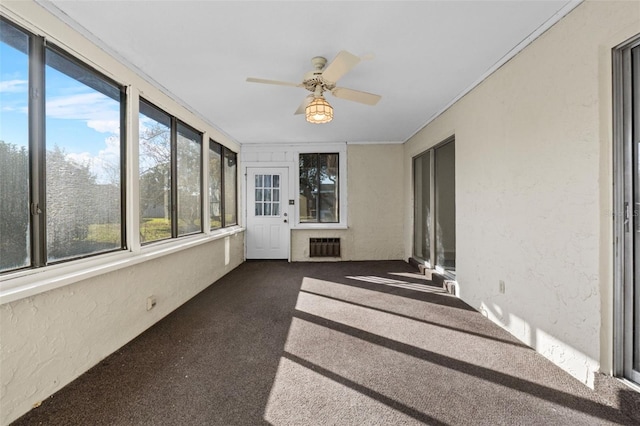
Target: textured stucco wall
(375, 197)
(51, 338)
(533, 188)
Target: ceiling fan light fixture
(319, 111)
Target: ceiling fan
(323, 79)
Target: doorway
(434, 226)
(268, 213)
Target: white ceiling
(427, 53)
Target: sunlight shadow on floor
(397, 283)
(413, 275)
(322, 394)
(420, 320)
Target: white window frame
(343, 208)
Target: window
(170, 176)
(215, 185)
(189, 180)
(15, 250)
(267, 195)
(319, 188)
(434, 209)
(222, 186)
(230, 187)
(61, 156)
(155, 173)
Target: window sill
(26, 283)
(324, 226)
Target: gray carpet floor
(353, 343)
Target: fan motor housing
(313, 79)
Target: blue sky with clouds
(82, 121)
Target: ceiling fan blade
(306, 101)
(368, 57)
(341, 65)
(355, 95)
(280, 83)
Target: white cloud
(104, 126)
(13, 86)
(105, 165)
(97, 110)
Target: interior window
(319, 188)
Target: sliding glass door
(422, 208)
(434, 231)
(632, 290)
(627, 208)
(445, 206)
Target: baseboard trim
(619, 394)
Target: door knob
(285, 221)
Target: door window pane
(189, 155)
(445, 208)
(267, 198)
(14, 149)
(422, 207)
(83, 192)
(215, 185)
(155, 173)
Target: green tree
(14, 208)
(72, 205)
(189, 185)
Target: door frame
(288, 208)
(433, 185)
(624, 210)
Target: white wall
(374, 224)
(375, 203)
(374, 197)
(533, 188)
(52, 338)
(57, 322)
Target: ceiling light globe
(319, 111)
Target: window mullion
(318, 182)
(223, 215)
(174, 177)
(124, 110)
(37, 150)
(432, 204)
(338, 188)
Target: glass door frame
(432, 262)
(626, 222)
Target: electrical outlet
(501, 286)
(151, 302)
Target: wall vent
(324, 247)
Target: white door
(267, 213)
